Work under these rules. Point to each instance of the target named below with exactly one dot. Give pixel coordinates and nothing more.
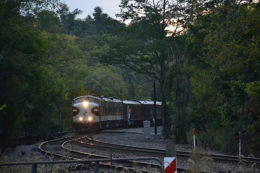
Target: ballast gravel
(135, 137)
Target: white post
(239, 144)
(194, 138)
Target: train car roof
(131, 102)
(86, 96)
(150, 102)
(143, 102)
(111, 99)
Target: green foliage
(224, 79)
(253, 89)
(143, 46)
(208, 72)
(102, 80)
(47, 59)
(38, 73)
(49, 21)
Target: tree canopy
(203, 54)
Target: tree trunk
(165, 115)
(182, 95)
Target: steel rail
(41, 148)
(183, 153)
(222, 157)
(218, 157)
(98, 144)
(101, 156)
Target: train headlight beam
(85, 104)
(90, 119)
(80, 118)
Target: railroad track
(89, 142)
(223, 158)
(85, 147)
(62, 148)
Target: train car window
(106, 106)
(117, 108)
(103, 105)
(113, 108)
(110, 109)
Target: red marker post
(170, 164)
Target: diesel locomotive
(93, 112)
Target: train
(93, 112)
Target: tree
(40, 73)
(49, 21)
(21, 51)
(101, 81)
(105, 24)
(100, 19)
(222, 63)
(144, 46)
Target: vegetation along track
(90, 142)
(224, 158)
(219, 158)
(85, 147)
(62, 148)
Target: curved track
(218, 158)
(63, 148)
(91, 143)
(85, 147)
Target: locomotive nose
(75, 110)
(95, 110)
(85, 104)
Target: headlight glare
(80, 118)
(85, 104)
(90, 119)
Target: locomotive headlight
(85, 104)
(80, 118)
(90, 119)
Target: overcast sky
(87, 6)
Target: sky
(111, 7)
